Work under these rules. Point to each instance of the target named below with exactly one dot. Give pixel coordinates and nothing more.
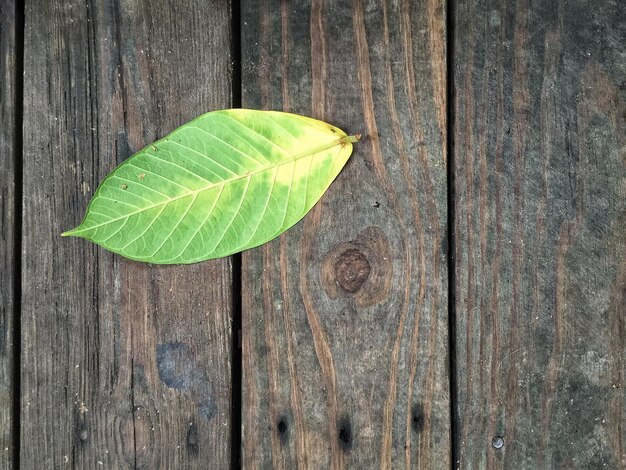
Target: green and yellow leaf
(225, 182)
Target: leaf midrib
(342, 140)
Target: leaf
(225, 182)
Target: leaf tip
(69, 233)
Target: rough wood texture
(124, 365)
(345, 316)
(7, 230)
(540, 209)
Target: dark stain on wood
(208, 407)
(175, 363)
(178, 369)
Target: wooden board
(124, 365)
(345, 316)
(540, 235)
(8, 253)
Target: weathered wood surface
(8, 262)
(539, 137)
(345, 316)
(124, 365)
(345, 339)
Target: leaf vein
(234, 148)
(195, 196)
(155, 174)
(195, 175)
(202, 155)
(145, 231)
(116, 232)
(293, 171)
(243, 197)
(202, 224)
(250, 129)
(221, 183)
(267, 203)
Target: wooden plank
(8, 255)
(540, 236)
(345, 316)
(124, 365)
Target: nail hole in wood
(345, 434)
(283, 429)
(417, 418)
(192, 439)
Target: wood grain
(345, 316)
(540, 208)
(8, 254)
(124, 365)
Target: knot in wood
(352, 270)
